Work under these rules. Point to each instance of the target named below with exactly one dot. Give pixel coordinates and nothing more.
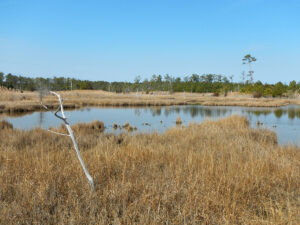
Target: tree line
(206, 83)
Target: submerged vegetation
(221, 172)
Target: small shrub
(85, 127)
(268, 92)
(225, 93)
(5, 125)
(97, 125)
(178, 121)
(126, 125)
(257, 94)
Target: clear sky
(118, 40)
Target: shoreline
(16, 112)
(15, 102)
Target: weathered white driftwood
(71, 135)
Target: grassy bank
(14, 102)
(214, 173)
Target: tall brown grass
(14, 102)
(219, 172)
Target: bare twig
(44, 106)
(54, 132)
(49, 109)
(71, 135)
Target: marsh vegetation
(215, 172)
(20, 102)
(221, 172)
(282, 120)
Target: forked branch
(71, 135)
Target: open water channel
(285, 121)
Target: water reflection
(137, 112)
(284, 120)
(41, 119)
(194, 111)
(292, 111)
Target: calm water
(285, 121)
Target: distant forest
(206, 83)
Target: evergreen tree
(248, 59)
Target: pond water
(285, 121)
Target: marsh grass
(4, 125)
(17, 102)
(178, 121)
(219, 172)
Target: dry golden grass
(214, 173)
(14, 102)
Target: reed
(221, 172)
(16, 102)
(4, 125)
(178, 121)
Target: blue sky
(118, 40)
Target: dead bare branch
(54, 132)
(71, 135)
